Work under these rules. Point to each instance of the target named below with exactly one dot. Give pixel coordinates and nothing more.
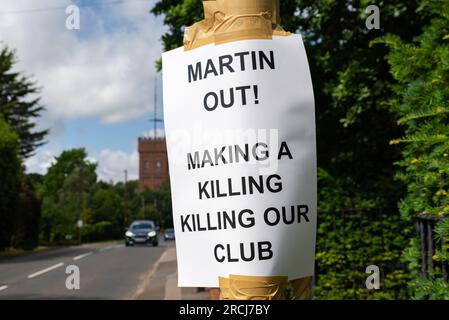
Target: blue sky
(97, 82)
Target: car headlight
(129, 234)
(152, 234)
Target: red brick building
(153, 163)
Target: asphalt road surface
(107, 271)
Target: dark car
(169, 234)
(141, 232)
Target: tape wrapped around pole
(238, 287)
(232, 20)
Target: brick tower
(153, 163)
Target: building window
(158, 166)
(146, 166)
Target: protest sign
(240, 130)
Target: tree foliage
(421, 68)
(19, 107)
(107, 206)
(10, 172)
(27, 216)
(20, 208)
(67, 191)
(19, 104)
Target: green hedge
(421, 68)
(348, 242)
(103, 230)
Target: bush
(350, 241)
(101, 231)
(422, 104)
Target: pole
(125, 200)
(81, 201)
(143, 207)
(155, 118)
(155, 109)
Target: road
(107, 271)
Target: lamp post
(81, 202)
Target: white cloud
(105, 70)
(113, 163)
(41, 161)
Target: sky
(97, 82)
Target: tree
(20, 209)
(10, 174)
(67, 163)
(67, 192)
(18, 104)
(107, 206)
(177, 15)
(422, 104)
(28, 214)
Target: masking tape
(232, 20)
(223, 283)
(302, 288)
(238, 287)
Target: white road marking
(119, 246)
(3, 288)
(106, 248)
(82, 255)
(45, 270)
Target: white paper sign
(240, 130)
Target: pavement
(162, 282)
(107, 271)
